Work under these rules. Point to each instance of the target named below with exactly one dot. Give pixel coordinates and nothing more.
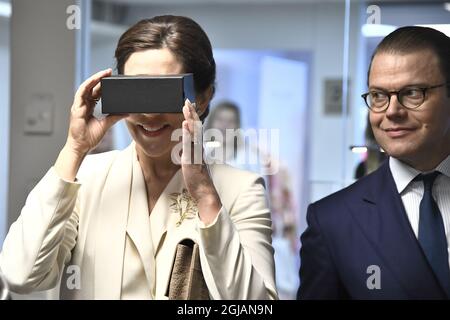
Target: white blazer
(96, 234)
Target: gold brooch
(184, 205)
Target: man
(387, 236)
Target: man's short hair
(412, 39)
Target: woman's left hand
(195, 171)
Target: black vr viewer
(146, 94)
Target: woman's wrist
(68, 163)
(209, 207)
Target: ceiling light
(444, 28)
(213, 144)
(447, 6)
(358, 149)
(376, 30)
(5, 9)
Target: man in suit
(387, 236)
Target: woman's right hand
(85, 130)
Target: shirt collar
(444, 167)
(403, 174)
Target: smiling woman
(130, 221)
(153, 131)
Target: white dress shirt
(411, 192)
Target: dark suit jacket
(362, 225)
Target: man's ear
(202, 100)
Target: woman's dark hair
(224, 105)
(411, 39)
(183, 37)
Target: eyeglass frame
(389, 94)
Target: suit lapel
(111, 227)
(382, 217)
(161, 213)
(138, 226)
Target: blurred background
(296, 66)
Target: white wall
(4, 122)
(414, 13)
(42, 62)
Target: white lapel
(138, 227)
(161, 213)
(111, 227)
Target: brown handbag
(186, 280)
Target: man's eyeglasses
(410, 97)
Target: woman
(226, 117)
(111, 223)
(235, 150)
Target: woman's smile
(154, 130)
